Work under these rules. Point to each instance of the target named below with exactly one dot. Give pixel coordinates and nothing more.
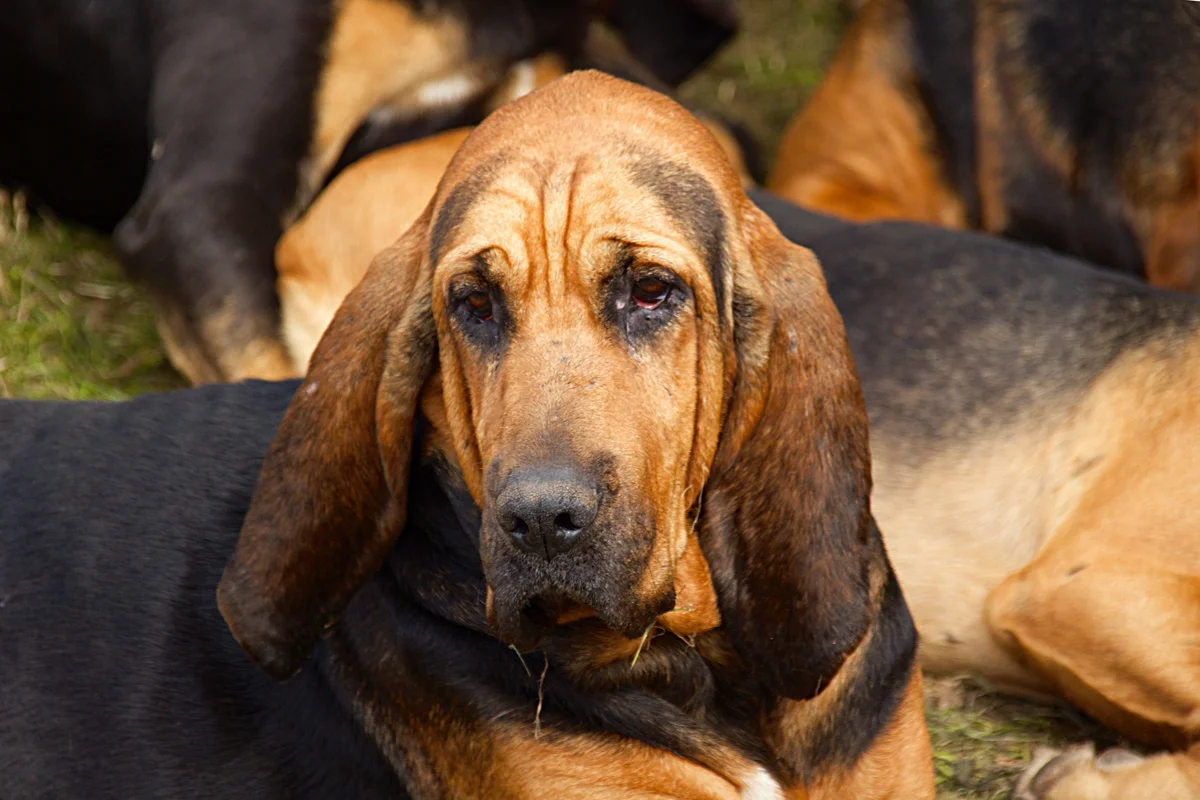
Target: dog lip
(528, 627)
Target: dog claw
(1116, 758)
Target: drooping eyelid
(638, 260)
(477, 272)
(657, 272)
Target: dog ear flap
(786, 523)
(672, 38)
(330, 498)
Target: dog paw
(1076, 773)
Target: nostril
(564, 524)
(547, 511)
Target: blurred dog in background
(194, 131)
(1071, 125)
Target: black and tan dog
(195, 130)
(1074, 125)
(1035, 439)
(573, 502)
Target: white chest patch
(761, 786)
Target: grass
(982, 740)
(764, 75)
(72, 327)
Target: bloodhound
(574, 502)
(1034, 441)
(1073, 125)
(196, 130)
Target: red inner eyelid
(656, 288)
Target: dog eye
(480, 305)
(649, 293)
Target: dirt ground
(72, 327)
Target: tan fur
(542, 229)
(318, 264)
(326, 253)
(1092, 550)
(1079, 774)
(378, 198)
(596, 768)
(1172, 235)
(897, 765)
(993, 212)
(263, 358)
(731, 148)
(381, 53)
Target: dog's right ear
(330, 497)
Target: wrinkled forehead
(536, 207)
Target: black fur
(674, 37)
(998, 327)
(380, 131)
(120, 679)
(455, 207)
(943, 39)
(873, 699)
(1115, 81)
(221, 92)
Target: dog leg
(230, 116)
(864, 166)
(1117, 633)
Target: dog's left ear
(786, 520)
(330, 498)
(674, 37)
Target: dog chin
(524, 624)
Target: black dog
(194, 130)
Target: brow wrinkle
(454, 209)
(572, 188)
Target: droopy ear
(674, 37)
(786, 517)
(330, 497)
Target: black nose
(547, 511)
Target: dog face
(570, 322)
(631, 366)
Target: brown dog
(637, 400)
(1073, 125)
